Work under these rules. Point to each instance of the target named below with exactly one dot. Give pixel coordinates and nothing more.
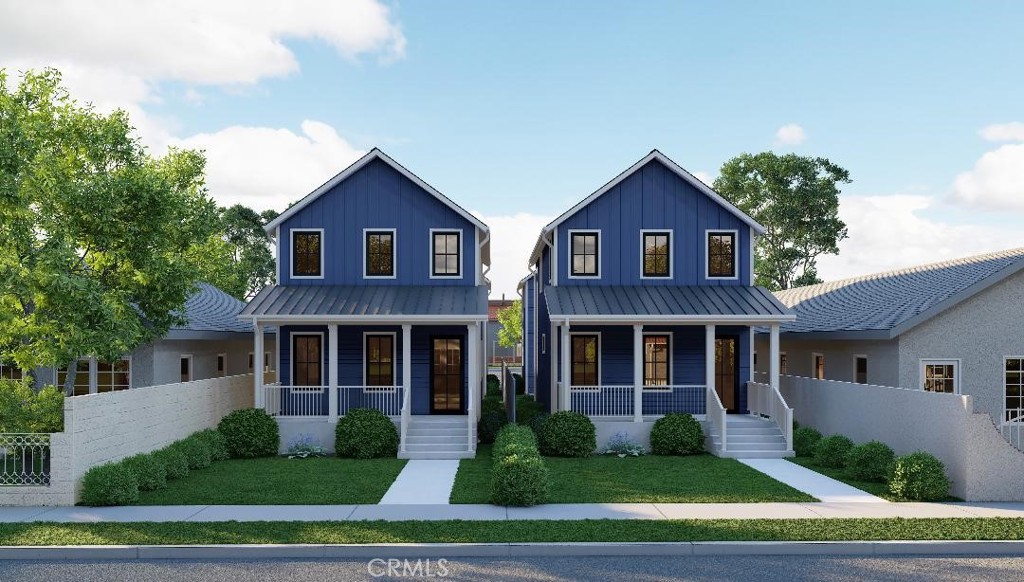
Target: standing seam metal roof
(663, 300)
(367, 300)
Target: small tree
(796, 199)
(511, 318)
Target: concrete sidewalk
(555, 511)
(810, 482)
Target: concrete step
(436, 433)
(738, 439)
(748, 454)
(755, 430)
(415, 446)
(437, 439)
(436, 455)
(758, 446)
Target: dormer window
(445, 253)
(379, 254)
(721, 254)
(307, 253)
(657, 249)
(585, 250)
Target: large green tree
(237, 258)
(95, 234)
(796, 199)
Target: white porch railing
(602, 400)
(1013, 432)
(660, 400)
(314, 401)
(406, 416)
(716, 415)
(762, 400)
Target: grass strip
(875, 488)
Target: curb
(512, 550)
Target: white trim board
(291, 252)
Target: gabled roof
(668, 163)
(376, 154)
(884, 305)
(366, 303)
(665, 303)
(210, 313)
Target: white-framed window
(940, 375)
(222, 365)
(1013, 388)
(721, 257)
(584, 254)
(379, 253)
(10, 371)
(379, 360)
(783, 363)
(308, 360)
(860, 369)
(307, 253)
(185, 367)
(818, 366)
(112, 376)
(656, 256)
(445, 254)
(585, 359)
(267, 367)
(657, 360)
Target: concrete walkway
(822, 488)
(555, 511)
(422, 483)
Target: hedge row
(518, 474)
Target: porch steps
(437, 438)
(750, 437)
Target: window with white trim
(819, 366)
(860, 369)
(721, 254)
(657, 254)
(657, 360)
(585, 250)
(445, 253)
(783, 363)
(307, 253)
(585, 365)
(10, 371)
(1013, 388)
(222, 365)
(940, 376)
(307, 360)
(380, 360)
(266, 362)
(113, 376)
(185, 365)
(82, 373)
(380, 253)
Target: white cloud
(704, 177)
(996, 182)
(790, 134)
(888, 232)
(512, 239)
(1013, 131)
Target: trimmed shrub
(520, 481)
(805, 439)
(195, 451)
(215, 442)
(174, 462)
(489, 424)
(110, 484)
(514, 439)
(870, 461)
(365, 433)
(831, 451)
(492, 402)
(250, 433)
(150, 472)
(919, 477)
(677, 433)
(526, 409)
(493, 383)
(536, 424)
(568, 434)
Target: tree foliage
(511, 318)
(796, 199)
(95, 234)
(237, 257)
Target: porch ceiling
(695, 303)
(381, 302)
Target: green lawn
(652, 479)
(278, 480)
(363, 532)
(872, 487)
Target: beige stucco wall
(883, 358)
(980, 463)
(102, 428)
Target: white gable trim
(676, 168)
(374, 154)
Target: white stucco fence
(101, 428)
(980, 463)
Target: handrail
(471, 418)
(716, 414)
(406, 414)
(769, 402)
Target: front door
(446, 375)
(727, 371)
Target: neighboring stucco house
(641, 302)
(381, 303)
(953, 326)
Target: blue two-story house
(381, 302)
(641, 301)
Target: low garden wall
(107, 427)
(981, 464)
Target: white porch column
(257, 365)
(638, 372)
(709, 356)
(552, 353)
(473, 359)
(332, 372)
(773, 357)
(566, 396)
(407, 357)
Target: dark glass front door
(446, 375)
(727, 371)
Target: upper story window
(307, 253)
(940, 376)
(585, 249)
(446, 253)
(657, 249)
(380, 253)
(721, 254)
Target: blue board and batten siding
(653, 198)
(377, 196)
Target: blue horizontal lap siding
(653, 198)
(378, 197)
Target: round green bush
(196, 453)
(110, 484)
(536, 424)
(870, 461)
(677, 433)
(493, 383)
(919, 477)
(365, 433)
(526, 409)
(215, 442)
(512, 440)
(250, 433)
(149, 471)
(831, 451)
(174, 462)
(491, 421)
(805, 439)
(519, 481)
(568, 434)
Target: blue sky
(524, 108)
